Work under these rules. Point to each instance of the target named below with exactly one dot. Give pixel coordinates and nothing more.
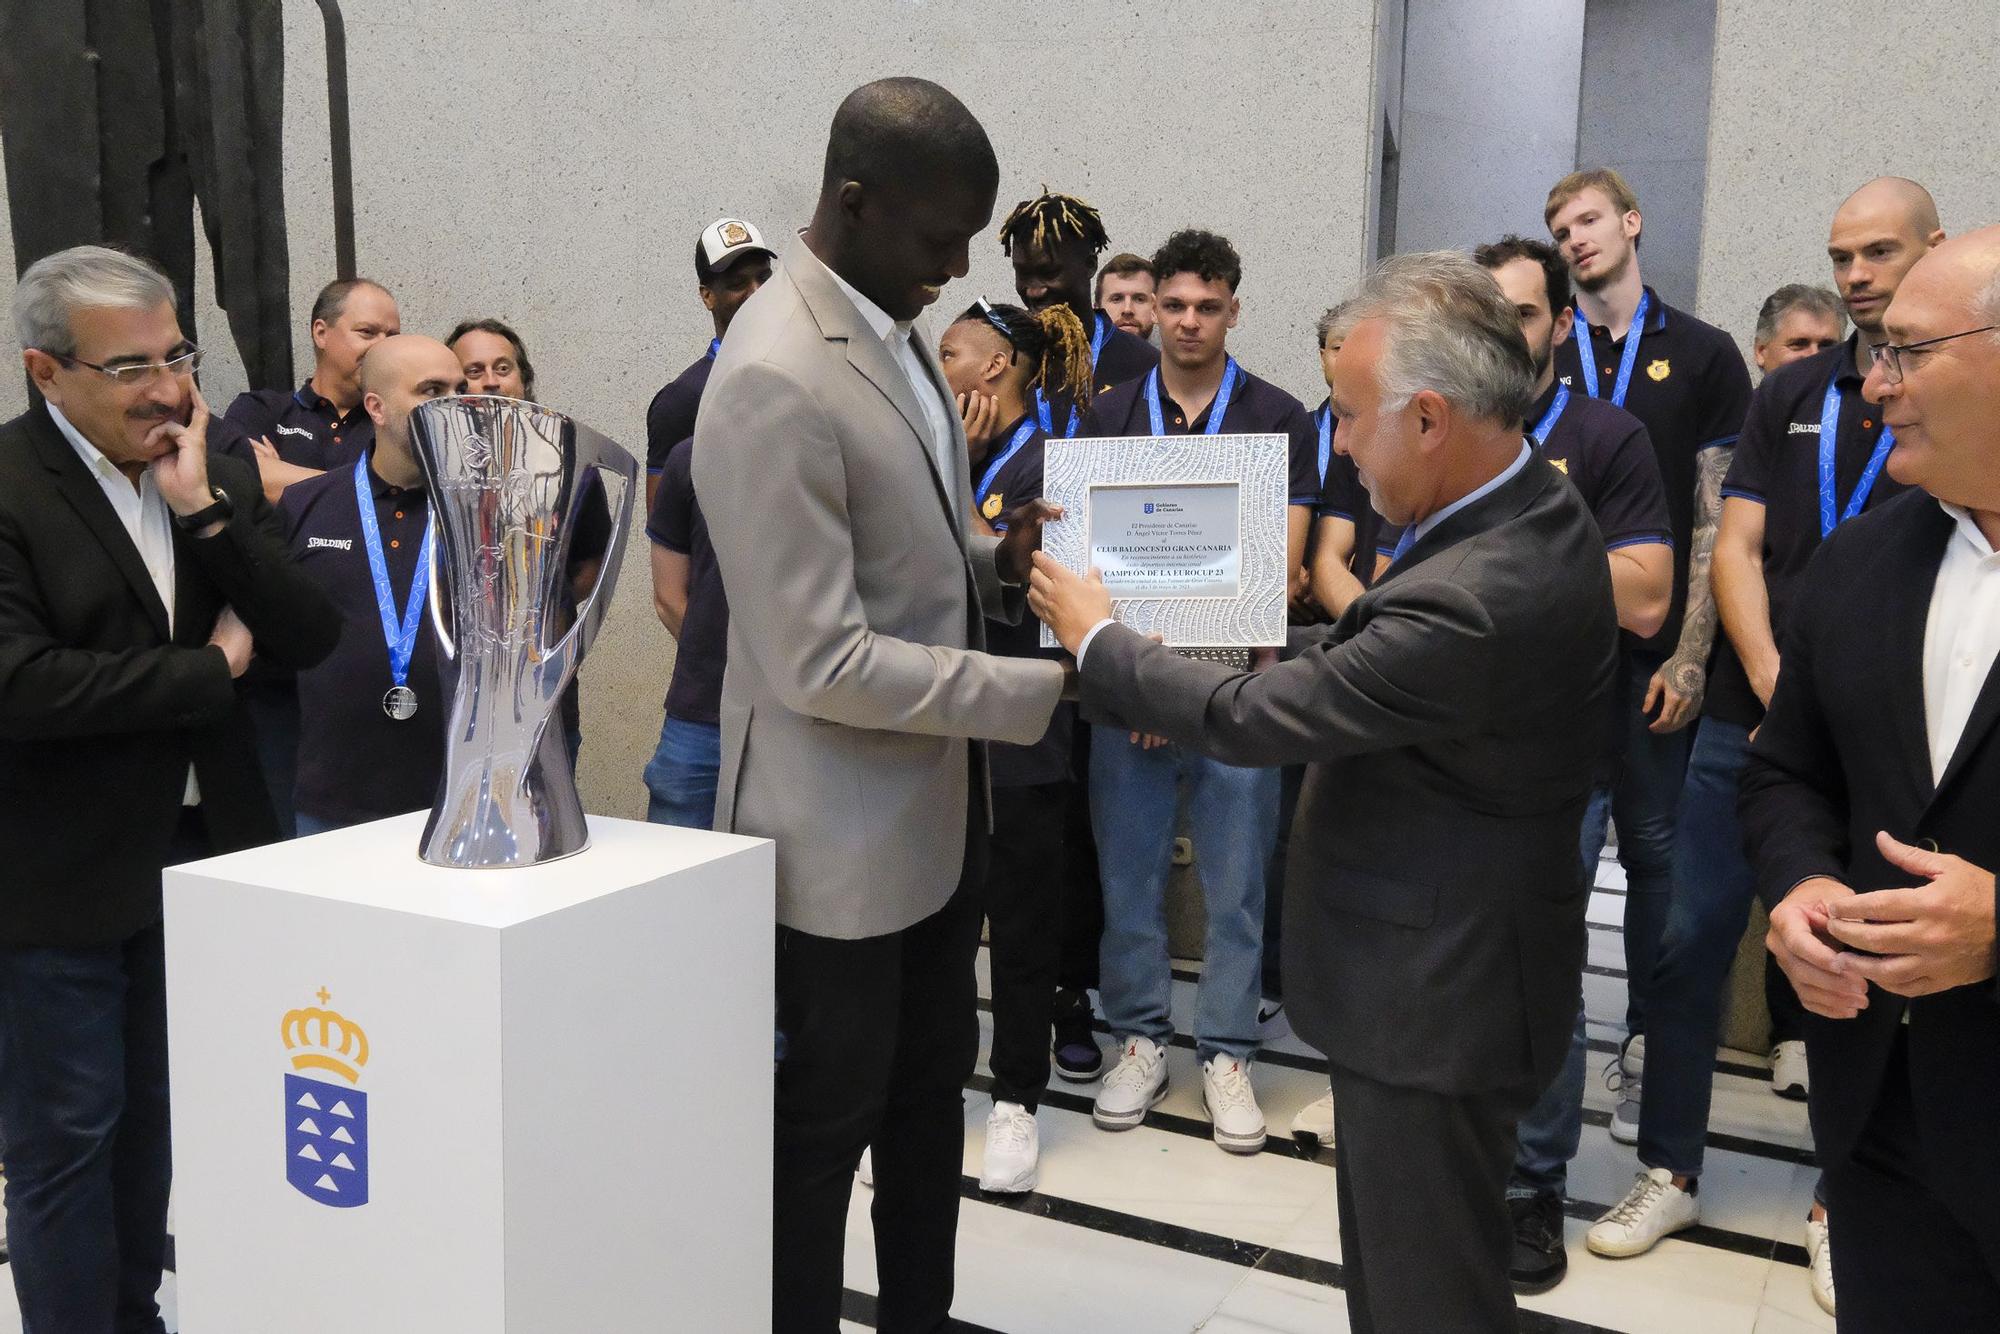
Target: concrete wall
(1813, 97)
(1488, 99)
(552, 164)
(1644, 109)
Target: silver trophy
(513, 484)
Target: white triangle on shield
(342, 1160)
(326, 1183)
(308, 1151)
(307, 1101)
(340, 1134)
(341, 1109)
(310, 1127)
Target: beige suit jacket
(857, 604)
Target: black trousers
(1421, 1184)
(1904, 1261)
(1082, 891)
(1024, 905)
(1292, 781)
(881, 1035)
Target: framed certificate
(1187, 530)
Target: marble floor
(1156, 1230)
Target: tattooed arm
(1677, 688)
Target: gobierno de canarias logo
(326, 1123)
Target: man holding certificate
(1452, 719)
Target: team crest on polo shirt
(734, 233)
(991, 509)
(1560, 465)
(1659, 370)
(326, 1123)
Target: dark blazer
(1844, 752)
(1452, 718)
(100, 712)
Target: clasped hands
(1930, 937)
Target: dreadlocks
(1054, 217)
(1052, 339)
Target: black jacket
(1844, 752)
(1452, 720)
(100, 712)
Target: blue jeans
(1233, 820)
(1642, 799)
(1553, 1128)
(1713, 889)
(680, 777)
(83, 1098)
(308, 825)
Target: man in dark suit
(1452, 719)
(1869, 806)
(136, 573)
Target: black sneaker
(1078, 1057)
(1539, 1261)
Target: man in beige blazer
(831, 465)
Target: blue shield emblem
(1149, 507)
(326, 1141)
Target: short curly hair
(1206, 255)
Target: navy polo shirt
(1342, 496)
(1124, 357)
(1607, 455)
(1777, 466)
(1256, 407)
(1690, 389)
(306, 428)
(694, 694)
(355, 762)
(1004, 480)
(670, 419)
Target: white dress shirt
(143, 511)
(895, 334)
(1961, 635)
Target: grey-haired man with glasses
(137, 576)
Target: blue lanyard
(1325, 442)
(714, 346)
(1043, 413)
(1549, 418)
(401, 639)
(1215, 409)
(1014, 444)
(1586, 354)
(1829, 431)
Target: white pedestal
(564, 1118)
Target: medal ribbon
(1325, 443)
(1044, 413)
(1586, 353)
(1014, 444)
(1830, 517)
(1549, 418)
(401, 638)
(1215, 409)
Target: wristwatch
(219, 512)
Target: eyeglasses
(130, 374)
(1889, 356)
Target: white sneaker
(1232, 1104)
(1134, 1087)
(1013, 1150)
(1654, 1208)
(1789, 1077)
(864, 1171)
(1632, 1056)
(1819, 1249)
(1315, 1120)
(1271, 1021)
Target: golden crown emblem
(325, 1040)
